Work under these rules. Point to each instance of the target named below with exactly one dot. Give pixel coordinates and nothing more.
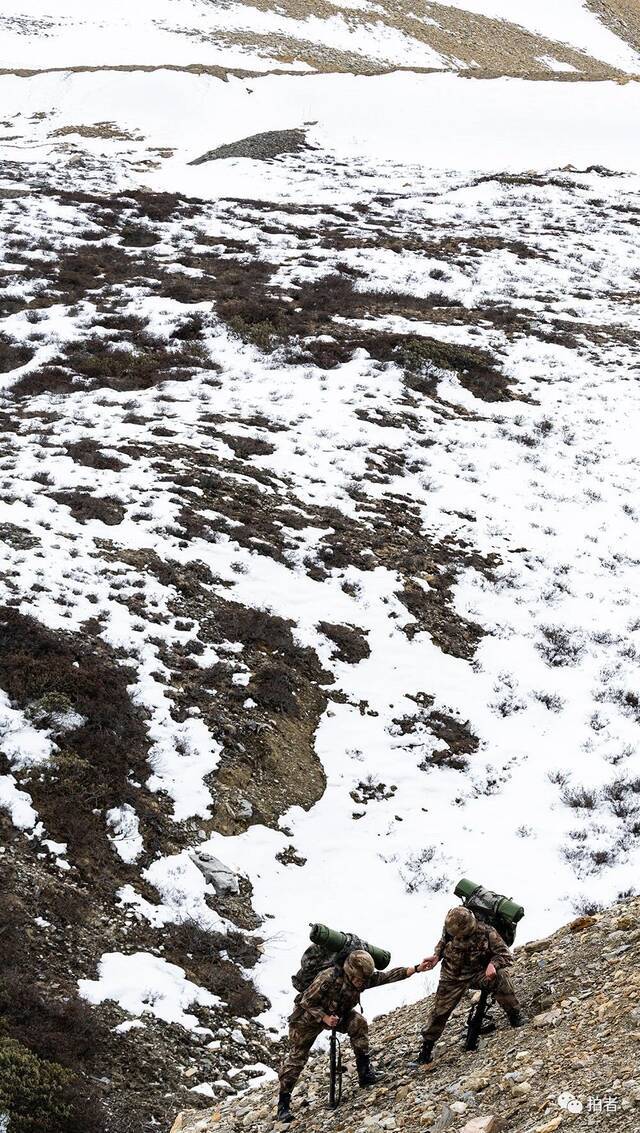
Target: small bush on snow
(623, 797)
(560, 646)
(580, 798)
(417, 875)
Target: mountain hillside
(318, 510)
(573, 1066)
(475, 37)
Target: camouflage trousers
(450, 992)
(303, 1032)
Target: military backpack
(330, 948)
(491, 908)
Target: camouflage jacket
(331, 993)
(467, 959)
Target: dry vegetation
(217, 475)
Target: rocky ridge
(255, 37)
(574, 1064)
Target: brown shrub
(85, 506)
(64, 1030)
(274, 688)
(50, 379)
(59, 1029)
(204, 962)
(186, 288)
(190, 329)
(351, 643)
(109, 744)
(87, 453)
(65, 903)
(12, 354)
(159, 207)
(270, 634)
(245, 447)
(134, 236)
(11, 304)
(331, 295)
(124, 370)
(89, 268)
(120, 322)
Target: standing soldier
(473, 955)
(329, 1002)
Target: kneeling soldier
(329, 1002)
(473, 955)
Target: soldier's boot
(284, 1114)
(426, 1053)
(366, 1076)
(515, 1017)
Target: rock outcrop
(575, 1063)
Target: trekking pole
(335, 1070)
(475, 1021)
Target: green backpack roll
(330, 948)
(491, 908)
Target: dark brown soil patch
(87, 452)
(86, 505)
(12, 355)
(350, 643)
(47, 673)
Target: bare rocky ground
(574, 1066)
(476, 45)
(470, 43)
(123, 465)
(622, 16)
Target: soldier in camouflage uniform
(329, 1002)
(473, 955)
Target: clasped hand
(331, 1021)
(428, 963)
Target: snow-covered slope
(152, 127)
(525, 479)
(327, 35)
(319, 519)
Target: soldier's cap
(460, 922)
(359, 964)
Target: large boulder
(223, 879)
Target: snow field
(560, 512)
(549, 484)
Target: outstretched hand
(428, 963)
